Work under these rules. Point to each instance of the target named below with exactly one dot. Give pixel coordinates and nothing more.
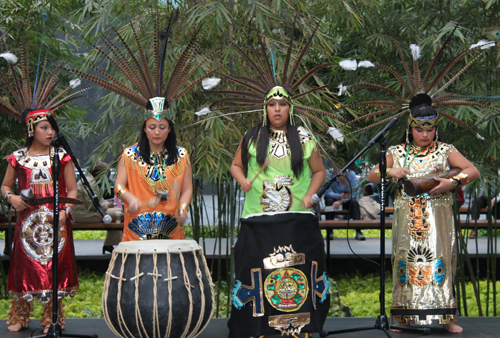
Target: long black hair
(422, 110)
(170, 145)
(259, 135)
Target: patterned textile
(30, 274)
(277, 189)
(143, 181)
(424, 252)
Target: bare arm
(318, 176)
(237, 170)
(71, 189)
(127, 197)
(8, 183)
(186, 194)
(456, 160)
(393, 172)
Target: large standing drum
(158, 288)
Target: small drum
(158, 288)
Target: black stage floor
(474, 327)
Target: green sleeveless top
(277, 189)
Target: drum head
(158, 245)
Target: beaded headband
(278, 93)
(158, 112)
(33, 118)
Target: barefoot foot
(15, 327)
(453, 328)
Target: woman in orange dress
(148, 170)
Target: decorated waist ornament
(281, 283)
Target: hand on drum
(181, 217)
(246, 185)
(18, 203)
(399, 172)
(134, 205)
(444, 186)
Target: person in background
(343, 193)
(87, 213)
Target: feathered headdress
(38, 99)
(148, 88)
(268, 84)
(416, 90)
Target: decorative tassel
(342, 89)
(210, 83)
(485, 44)
(336, 134)
(234, 296)
(264, 117)
(437, 134)
(415, 51)
(75, 83)
(348, 64)
(203, 111)
(407, 141)
(366, 64)
(9, 57)
(327, 288)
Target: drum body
(281, 286)
(158, 288)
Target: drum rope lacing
(190, 296)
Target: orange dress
(143, 180)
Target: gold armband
(377, 171)
(462, 178)
(454, 182)
(120, 190)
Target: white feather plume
(348, 64)
(485, 44)
(415, 51)
(479, 136)
(75, 83)
(336, 134)
(203, 111)
(9, 57)
(342, 89)
(365, 64)
(210, 83)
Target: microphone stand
(55, 330)
(382, 321)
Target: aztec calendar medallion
(286, 289)
(37, 235)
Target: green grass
(359, 297)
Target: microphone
(107, 219)
(53, 122)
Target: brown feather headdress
(269, 83)
(416, 90)
(149, 88)
(38, 100)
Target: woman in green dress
(277, 164)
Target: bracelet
(463, 179)
(7, 196)
(377, 171)
(454, 182)
(120, 190)
(67, 209)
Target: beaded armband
(7, 196)
(377, 171)
(120, 190)
(460, 179)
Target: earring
(436, 134)
(264, 118)
(407, 142)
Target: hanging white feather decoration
(484, 43)
(348, 64)
(203, 111)
(9, 57)
(479, 137)
(336, 134)
(415, 51)
(75, 83)
(210, 83)
(365, 64)
(342, 89)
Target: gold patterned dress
(423, 242)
